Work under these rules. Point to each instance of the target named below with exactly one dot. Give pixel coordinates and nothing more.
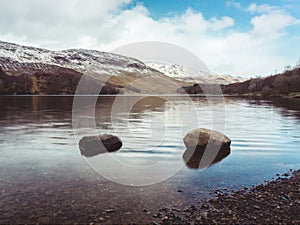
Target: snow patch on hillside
(185, 74)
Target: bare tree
(287, 68)
(297, 64)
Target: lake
(44, 178)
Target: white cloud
(238, 53)
(220, 24)
(105, 25)
(264, 8)
(232, 3)
(271, 24)
(60, 21)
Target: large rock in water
(95, 145)
(205, 147)
(201, 137)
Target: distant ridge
(181, 73)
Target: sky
(240, 38)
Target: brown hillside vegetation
(277, 85)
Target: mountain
(184, 74)
(30, 70)
(284, 84)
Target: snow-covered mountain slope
(184, 74)
(103, 63)
(126, 74)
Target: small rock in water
(95, 145)
(154, 223)
(204, 206)
(110, 211)
(48, 193)
(165, 218)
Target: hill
(284, 84)
(29, 70)
(181, 73)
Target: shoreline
(295, 95)
(276, 202)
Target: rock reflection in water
(152, 103)
(194, 159)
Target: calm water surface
(38, 146)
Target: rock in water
(94, 145)
(214, 144)
(201, 137)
